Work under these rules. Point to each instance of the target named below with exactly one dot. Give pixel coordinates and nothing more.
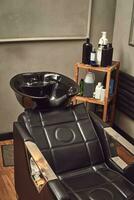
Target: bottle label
(92, 56)
(99, 55)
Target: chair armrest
(22, 131)
(115, 135)
(35, 153)
(40, 161)
(126, 169)
(129, 171)
(46, 171)
(117, 162)
(58, 190)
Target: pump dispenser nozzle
(103, 40)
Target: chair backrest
(66, 137)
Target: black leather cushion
(97, 183)
(70, 143)
(66, 137)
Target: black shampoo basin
(43, 90)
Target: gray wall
(24, 57)
(124, 52)
(56, 56)
(103, 13)
(23, 18)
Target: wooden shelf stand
(107, 99)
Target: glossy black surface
(43, 90)
(68, 140)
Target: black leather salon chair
(60, 150)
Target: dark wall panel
(125, 98)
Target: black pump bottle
(87, 48)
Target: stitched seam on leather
(67, 145)
(76, 172)
(73, 192)
(85, 188)
(88, 151)
(46, 125)
(112, 183)
(85, 142)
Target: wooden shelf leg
(106, 96)
(76, 79)
(76, 73)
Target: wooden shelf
(114, 66)
(89, 100)
(92, 100)
(108, 70)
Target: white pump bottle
(102, 41)
(97, 93)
